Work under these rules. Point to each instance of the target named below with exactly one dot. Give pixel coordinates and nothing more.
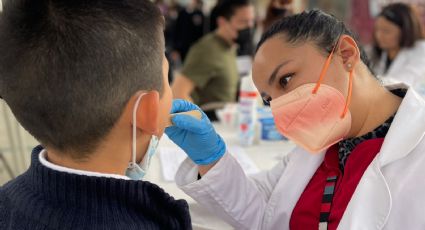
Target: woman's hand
(196, 137)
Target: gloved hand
(196, 137)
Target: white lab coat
(408, 67)
(390, 195)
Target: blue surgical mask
(137, 171)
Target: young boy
(88, 79)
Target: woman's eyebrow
(275, 71)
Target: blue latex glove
(196, 137)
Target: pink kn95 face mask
(314, 116)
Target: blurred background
(187, 21)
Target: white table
(265, 155)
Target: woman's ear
(147, 113)
(349, 52)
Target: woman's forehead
(279, 45)
(277, 54)
(276, 50)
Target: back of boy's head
(69, 67)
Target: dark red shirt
(306, 213)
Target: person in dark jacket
(190, 25)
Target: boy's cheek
(164, 110)
(162, 121)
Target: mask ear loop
(134, 131)
(350, 90)
(324, 70)
(322, 75)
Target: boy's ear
(148, 113)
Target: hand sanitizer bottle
(247, 111)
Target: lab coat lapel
(406, 131)
(371, 203)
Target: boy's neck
(113, 159)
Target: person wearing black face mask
(278, 11)
(245, 41)
(209, 75)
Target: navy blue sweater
(43, 198)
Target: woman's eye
(283, 81)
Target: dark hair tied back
(315, 26)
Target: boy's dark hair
(227, 8)
(316, 26)
(407, 19)
(69, 67)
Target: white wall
(15, 144)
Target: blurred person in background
(213, 16)
(189, 28)
(243, 49)
(210, 73)
(170, 12)
(275, 11)
(399, 50)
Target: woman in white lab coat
(360, 163)
(399, 50)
